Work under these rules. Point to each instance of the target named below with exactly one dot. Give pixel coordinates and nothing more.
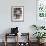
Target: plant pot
(40, 41)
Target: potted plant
(39, 35)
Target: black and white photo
(17, 13)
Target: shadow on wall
(7, 30)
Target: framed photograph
(41, 8)
(41, 12)
(17, 13)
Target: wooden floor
(13, 44)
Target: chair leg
(5, 40)
(5, 43)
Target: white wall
(29, 15)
